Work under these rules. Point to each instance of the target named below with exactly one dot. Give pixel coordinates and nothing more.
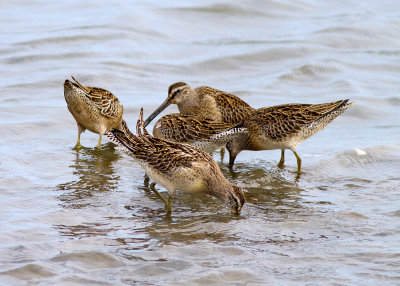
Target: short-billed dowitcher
(93, 108)
(176, 166)
(209, 102)
(202, 133)
(284, 127)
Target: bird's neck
(219, 187)
(190, 104)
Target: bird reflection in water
(271, 189)
(95, 173)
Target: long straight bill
(163, 105)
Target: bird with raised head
(206, 101)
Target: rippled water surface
(87, 218)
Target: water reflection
(95, 173)
(273, 196)
(84, 230)
(271, 189)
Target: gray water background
(86, 218)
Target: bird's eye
(175, 93)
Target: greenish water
(87, 218)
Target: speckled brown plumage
(107, 103)
(209, 102)
(284, 127)
(176, 166)
(232, 109)
(93, 108)
(201, 132)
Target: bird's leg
(222, 154)
(169, 206)
(232, 158)
(78, 142)
(99, 142)
(146, 180)
(80, 130)
(298, 163)
(282, 160)
(167, 203)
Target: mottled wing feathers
(187, 128)
(232, 108)
(324, 108)
(279, 122)
(105, 101)
(108, 104)
(162, 155)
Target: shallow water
(82, 218)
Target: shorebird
(93, 108)
(202, 133)
(284, 127)
(176, 166)
(209, 102)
